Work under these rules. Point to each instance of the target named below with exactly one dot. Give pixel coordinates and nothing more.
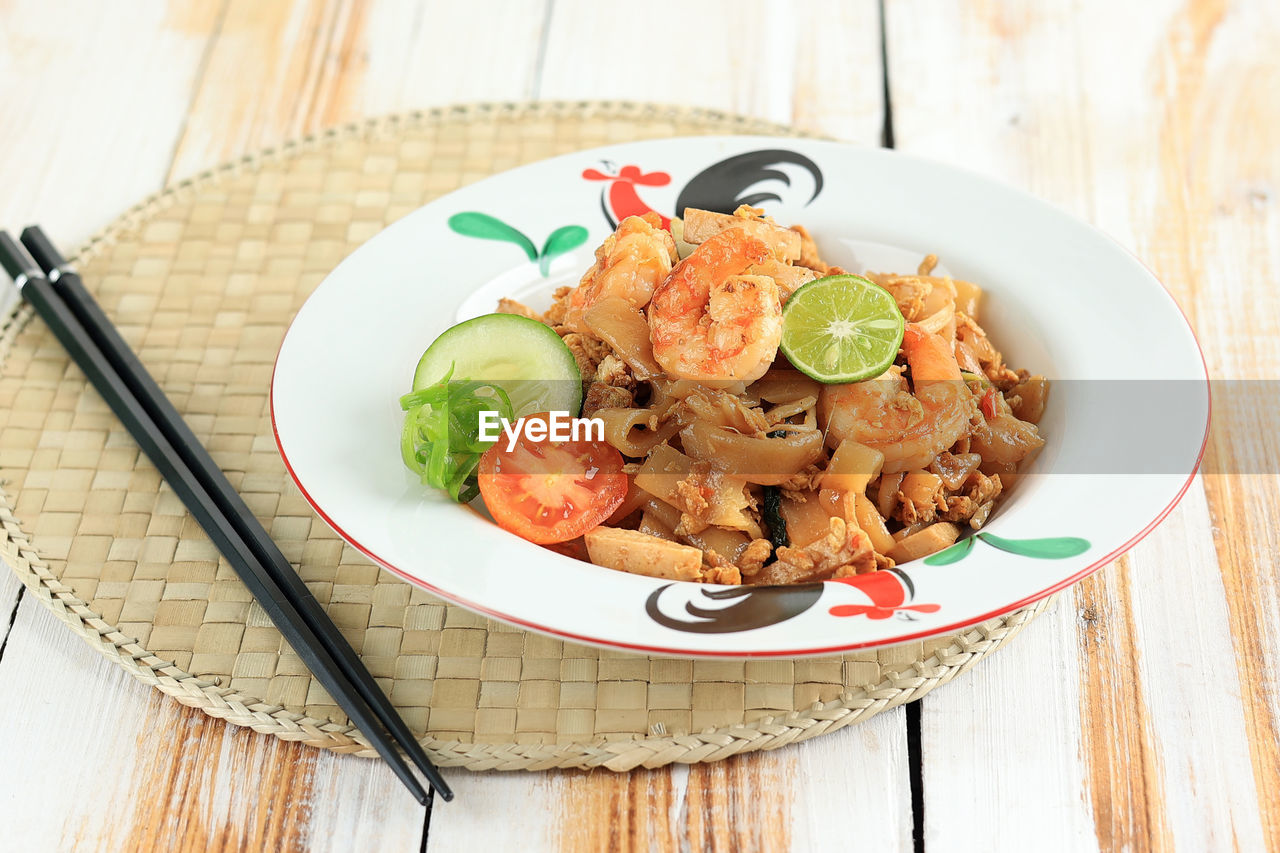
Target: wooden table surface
(1139, 713)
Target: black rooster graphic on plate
(720, 187)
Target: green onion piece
(441, 440)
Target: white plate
(1062, 300)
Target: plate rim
(675, 651)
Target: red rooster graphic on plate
(720, 187)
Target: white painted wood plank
(97, 143)
(496, 811)
(849, 786)
(1193, 693)
(105, 723)
(281, 70)
(1099, 107)
(666, 54)
(1211, 223)
(91, 143)
(443, 52)
(113, 764)
(812, 63)
(1000, 758)
(358, 803)
(99, 91)
(839, 84)
(868, 758)
(64, 712)
(853, 788)
(1011, 726)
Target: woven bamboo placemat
(203, 279)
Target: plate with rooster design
(1125, 425)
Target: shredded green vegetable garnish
(441, 438)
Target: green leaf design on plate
(953, 554)
(472, 224)
(563, 239)
(1052, 548)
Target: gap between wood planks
(886, 133)
(915, 761)
(13, 616)
(201, 70)
(190, 134)
(426, 822)
(680, 800)
(540, 60)
(535, 92)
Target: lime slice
(523, 357)
(842, 328)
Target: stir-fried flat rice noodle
(745, 470)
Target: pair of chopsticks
(56, 292)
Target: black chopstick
(68, 286)
(160, 448)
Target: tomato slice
(551, 491)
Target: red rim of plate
(823, 650)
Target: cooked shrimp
(709, 321)
(630, 263)
(788, 277)
(909, 429)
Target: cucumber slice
(522, 356)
